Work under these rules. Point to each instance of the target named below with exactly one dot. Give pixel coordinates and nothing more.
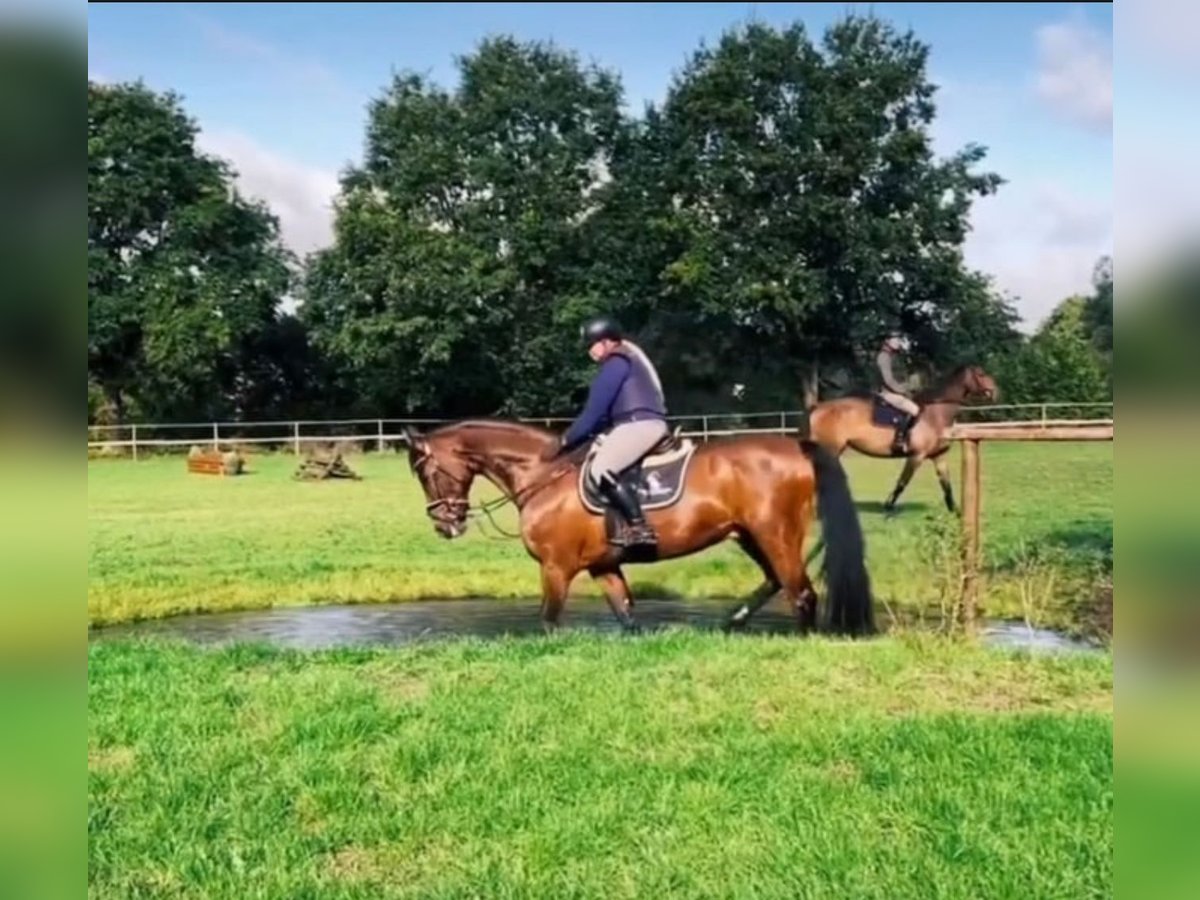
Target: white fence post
(296, 438)
(379, 440)
(704, 427)
(216, 436)
(133, 443)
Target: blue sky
(280, 90)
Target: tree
(459, 274)
(809, 213)
(1099, 308)
(184, 275)
(1059, 363)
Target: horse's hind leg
(782, 551)
(761, 594)
(616, 592)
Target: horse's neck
(946, 402)
(510, 465)
(945, 410)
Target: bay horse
(849, 422)
(759, 490)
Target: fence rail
(972, 436)
(295, 433)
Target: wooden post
(970, 514)
(296, 438)
(133, 443)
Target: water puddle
(396, 624)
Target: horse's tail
(844, 566)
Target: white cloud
(1040, 242)
(300, 195)
(1075, 73)
(1160, 31)
(1158, 195)
(1157, 189)
(285, 63)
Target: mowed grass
(677, 765)
(162, 541)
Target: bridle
(454, 511)
(444, 510)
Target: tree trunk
(812, 384)
(116, 403)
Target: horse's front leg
(555, 582)
(911, 464)
(616, 592)
(943, 474)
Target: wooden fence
(971, 437)
(379, 433)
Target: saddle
(883, 413)
(658, 478)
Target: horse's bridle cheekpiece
(456, 507)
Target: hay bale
(232, 463)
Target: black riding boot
(625, 500)
(900, 439)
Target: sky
(281, 92)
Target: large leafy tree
(184, 275)
(460, 269)
(809, 211)
(1060, 361)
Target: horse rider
(895, 392)
(626, 396)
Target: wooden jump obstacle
(320, 466)
(214, 462)
(971, 436)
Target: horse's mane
(938, 389)
(497, 424)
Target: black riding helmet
(599, 329)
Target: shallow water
(394, 624)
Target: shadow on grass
(876, 507)
(1093, 539)
(652, 590)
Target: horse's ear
(410, 436)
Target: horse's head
(978, 383)
(446, 478)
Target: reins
(488, 507)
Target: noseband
(446, 510)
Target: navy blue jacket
(624, 387)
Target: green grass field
(162, 541)
(681, 764)
(678, 765)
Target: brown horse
(760, 490)
(848, 422)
